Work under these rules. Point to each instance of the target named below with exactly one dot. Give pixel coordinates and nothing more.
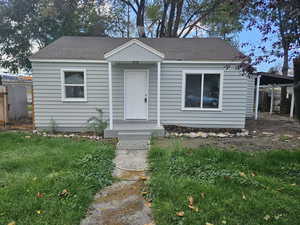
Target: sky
(254, 37)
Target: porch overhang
(134, 51)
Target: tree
(27, 23)
(117, 21)
(179, 18)
(297, 85)
(281, 18)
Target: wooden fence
(3, 107)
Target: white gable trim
(131, 42)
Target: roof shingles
(94, 48)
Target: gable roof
(134, 42)
(94, 48)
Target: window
(201, 90)
(73, 85)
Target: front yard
(50, 180)
(207, 186)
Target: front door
(136, 94)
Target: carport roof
(274, 79)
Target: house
(140, 84)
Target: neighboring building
(24, 80)
(142, 83)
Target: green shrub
(97, 124)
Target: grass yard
(210, 186)
(50, 180)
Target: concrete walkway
(123, 203)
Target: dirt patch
(278, 127)
(264, 135)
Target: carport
(273, 80)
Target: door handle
(145, 100)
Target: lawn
(210, 186)
(50, 180)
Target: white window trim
(63, 96)
(184, 72)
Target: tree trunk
(162, 32)
(297, 86)
(171, 18)
(177, 18)
(284, 102)
(140, 19)
(0, 80)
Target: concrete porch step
(131, 128)
(134, 135)
(133, 145)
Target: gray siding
(73, 115)
(250, 97)
(234, 99)
(134, 53)
(68, 115)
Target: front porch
(134, 71)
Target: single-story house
(140, 84)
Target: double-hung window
(202, 90)
(74, 85)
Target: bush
(97, 124)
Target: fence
(3, 107)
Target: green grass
(47, 166)
(238, 188)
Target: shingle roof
(94, 48)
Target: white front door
(136, 94)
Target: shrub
(97, 124)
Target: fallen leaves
(144, 178)
(12, 223)
(277, 217)
(39, 195)
(148, 204)
(64, 193)
(180, 214)
(202, 195)
(267, 217)
(244, 196)
(191, 204)
(242, 174)
(193, 208)
(191, 200)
